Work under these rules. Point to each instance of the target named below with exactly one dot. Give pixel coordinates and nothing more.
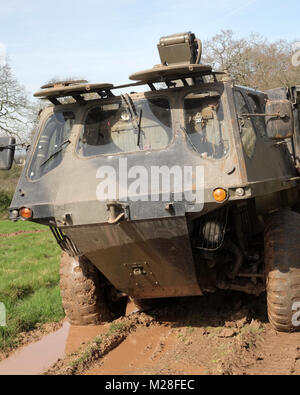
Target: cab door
(265, 159)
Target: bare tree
(17, 112)
(253, 61)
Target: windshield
(204, 120)
(126, 127)
(52, 144)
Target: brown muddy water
(37, 357)
(137, 354)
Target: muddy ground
(224, 333)
(26, 338)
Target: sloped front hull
(144, 259)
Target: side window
(52, 143)
(248, 135)
(256, 108)
(204, 120)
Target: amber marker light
(26, 213)
(220, 195)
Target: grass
(29, 278)
(10, 227)
(117, 327)
(86, 356)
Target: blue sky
(106, 41)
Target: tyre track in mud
(210, 335)
(217, 334)
(225, 334)
(140, 353)
(279, 354)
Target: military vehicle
(232, 225)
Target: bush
(5, 199)
(9, 179)
(8, 183)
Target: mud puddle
(147, 351)
(138, 354)
(80, 335)
(37, 357)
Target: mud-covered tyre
(82, 292)
(282, 261)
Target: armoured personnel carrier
(188, 187)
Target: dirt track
(216, 334)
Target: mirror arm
(277, 115)
(23, 145)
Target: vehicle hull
(144, 259)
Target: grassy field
(29, 277)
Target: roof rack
(75, 89)
(57, 84)
(180, 56)
(163, 74)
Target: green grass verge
(29, 277)
(20, 226)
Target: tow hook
(117, 212)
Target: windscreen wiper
(135, 120)
(139, 127)
(189, 139)
(60, 148)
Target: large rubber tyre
(282, 261)
(82, 292)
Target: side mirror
(280, 126)
(7, 152)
